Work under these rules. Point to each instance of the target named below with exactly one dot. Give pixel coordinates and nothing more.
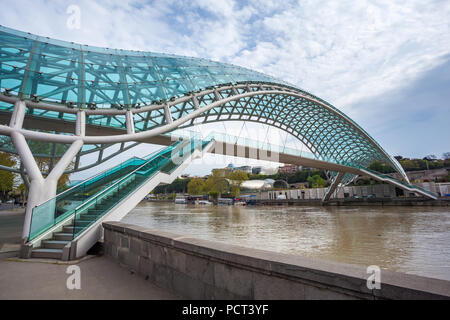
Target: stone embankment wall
(201, 269)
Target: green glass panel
(166, 161)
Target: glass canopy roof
(44, 69)
(59, 71)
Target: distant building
(289, 169)
(222, 172)
(264, 170)
(256, 185)
(256, 170)
(246, 169)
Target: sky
(386, 64)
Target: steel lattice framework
(62, 101)
(140, 94)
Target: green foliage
(6, 177)
(195, 186)
(42, 148)
(237, 177)
(235, 191)
(316, 181)
(421, 164)
(216, 184)
(429, 162)
(213, 194)
(177, 186)
(259, 176)
(172, 196)
(381, 167)
(299, 176)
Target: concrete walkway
(101, 278)
(11, 224)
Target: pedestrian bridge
(61, 101)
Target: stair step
(94, 211)
(47, 253)
(102, 207)
(69, 229)
(82, 221)
(86, 217)
(62, 236)
(54, 244)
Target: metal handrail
(71, 211)
(118, 182)
(123, 178)
(87, 180)
(410, 187)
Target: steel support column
(40, 189)
(333, 186)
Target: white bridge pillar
(333, 186)
(40, 189)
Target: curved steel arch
(148, 94)
(134, 96)
(248, 106)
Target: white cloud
(346, 51)
(342, 51)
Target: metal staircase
(68, 225)
(400, 184)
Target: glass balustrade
(51, 212)
(166, 161)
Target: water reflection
(407, 239)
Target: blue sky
(384, 63)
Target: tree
(430, 157)
(22, 191)
(316, 181)
(6, 177)
(177, 186)
(235, 191)
(216, 184)
(380, 167)
(195, 186)
(237, 177)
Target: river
(413, 240)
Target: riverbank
(202, 269)
(360, 202)
(411, 239)
(411, 201)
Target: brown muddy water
(413, 240)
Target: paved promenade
(101, 278)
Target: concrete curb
(51, 261)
